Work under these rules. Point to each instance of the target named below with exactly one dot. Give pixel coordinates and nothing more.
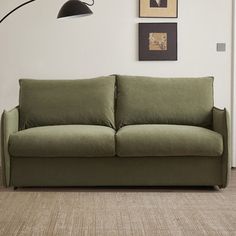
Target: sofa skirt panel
(115, 171)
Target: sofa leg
(221, 186)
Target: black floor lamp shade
(70, 8)
(74, 8)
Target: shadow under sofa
(115, 131)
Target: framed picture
(157, 41)
(158, 8)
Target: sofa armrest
(9, 125)
(221, 124)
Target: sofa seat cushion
(63, 141)
(167, 140)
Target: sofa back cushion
(148, 100)
(66, 102)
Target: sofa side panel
(9, 125)
(221, 124)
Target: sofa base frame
(116, 171)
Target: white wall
(234, 86)
(34, 44)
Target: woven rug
(123, 212)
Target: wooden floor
(124, 212)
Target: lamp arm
(89, 4)
(15, 10)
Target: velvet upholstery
(168, 134)
(64, 140)
(147, 100)
(130, 171)
(168, 140)
(9, 125)
(67, 102)
(221, 124)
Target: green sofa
(115, 131)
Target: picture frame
(158, 42)
(158, 8)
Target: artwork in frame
(157, 41)
(158, 8)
